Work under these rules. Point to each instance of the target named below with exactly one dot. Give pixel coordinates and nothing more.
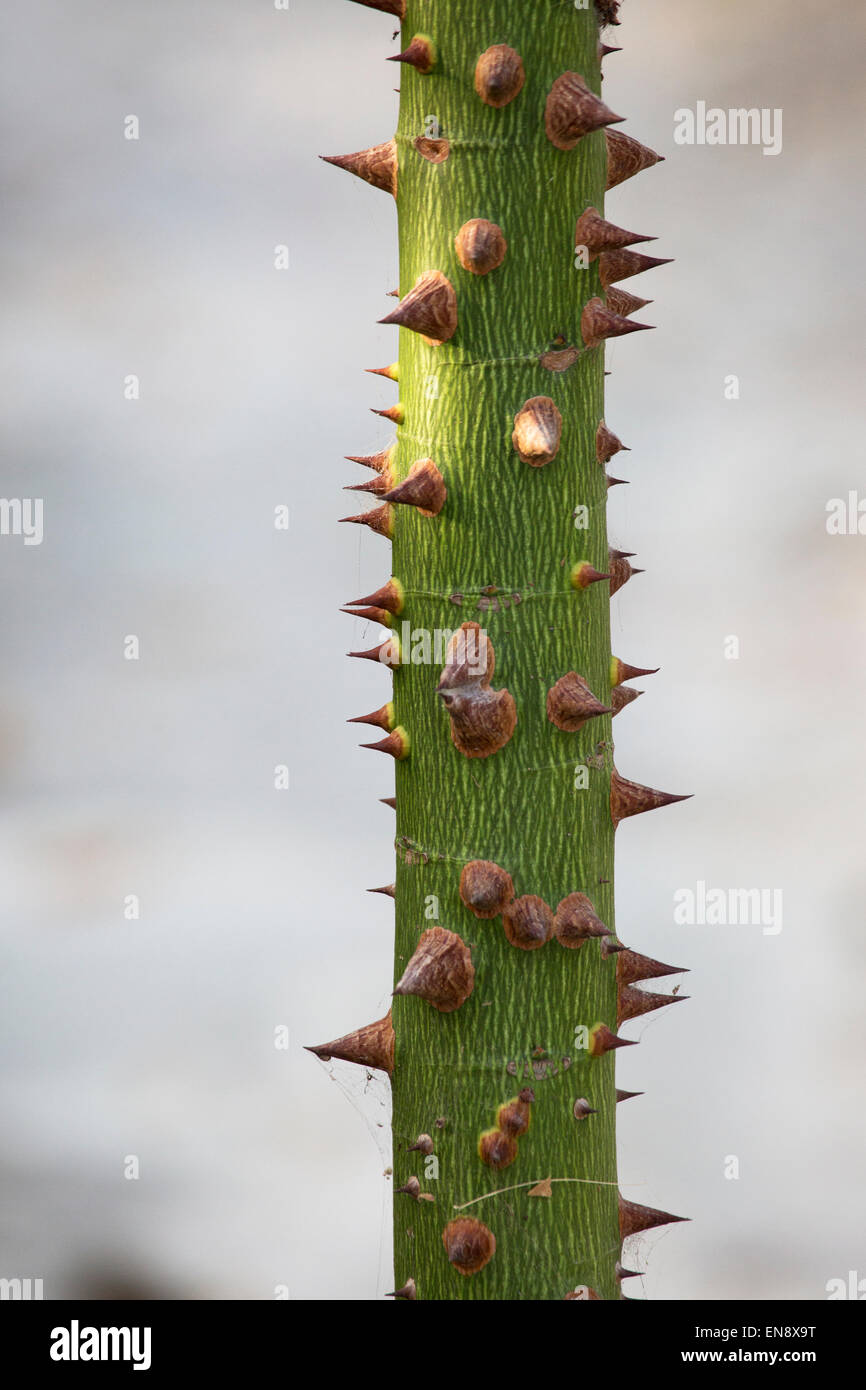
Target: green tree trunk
(494, 498)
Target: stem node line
(595, 1182)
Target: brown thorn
(626, 157)
(440, 971)
(372, 1046)
(420, 55)
(619, 265)
(632, 798)
(632, 967)
(380, 520)
(430, 308)
(408, 1290)
(395, 744)
(633, 1003)
(634, 1218)
(598, 323)
(389, 890)
(376, 165)
(603, 1040)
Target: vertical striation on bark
(504, 688)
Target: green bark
(512, 526)
(501, 553)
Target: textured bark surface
(500, 554)
(484, 401)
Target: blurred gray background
(260, 1167)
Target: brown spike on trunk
(390, 596)
(619, 265)
(420, 55)
(372, 1046)
(597, 235)
(515, 1116)
(570, 703)
(499, 75)
(469, 1244)
(389, 801)
(485, 888)
(583, 574)
(408, 1290)
(622, 695)
(527, 922)
(440, 971)
(392, 372)
(396, 744)
(482, 719)
(632, 799)
(631, 967)
(480, 246)
(607, 444)
(537, 431)
(497, 1150)
(621, 302)
(632, 1003)
(376, 487)
(387, 653)
(607, 11)
(424, 488)
(621, 671)
(430, 308)
(380, 520)
(615, 482)
(626, 157)
(423, 1144)
(603, 1040)
(576, 921)
(634, 1218)
(394, 413)
(373, 615)
(597, 323)
(620, 573)
(382, 718)
(377, 165)
(389, 890)
(380, 462)
(622, 1273)
(572, 111)
(627, 1095)
(559, 359)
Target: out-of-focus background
(150, 1044)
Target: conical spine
(377, 165)
(372, 1046)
